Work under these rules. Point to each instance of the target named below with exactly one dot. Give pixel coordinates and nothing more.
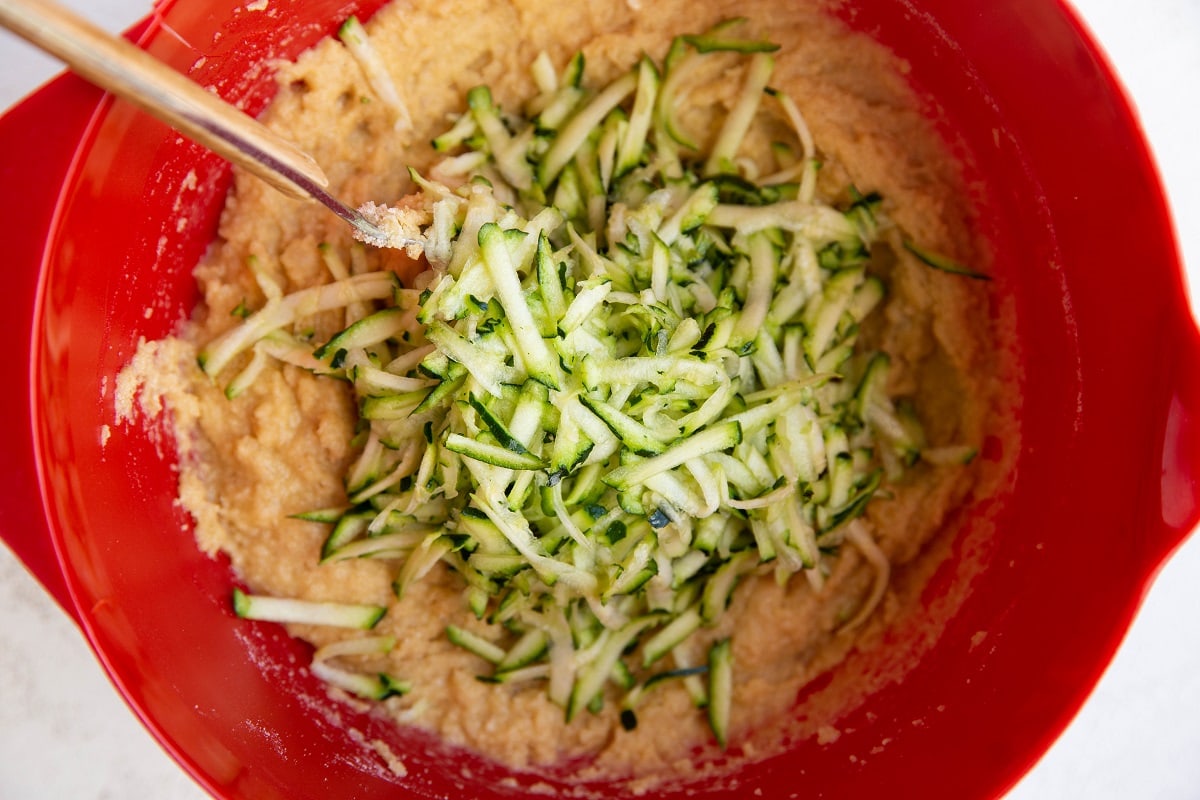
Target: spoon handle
(121, 68)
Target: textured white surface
(64, 732)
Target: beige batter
(282, 447)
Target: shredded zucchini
(634, 379)
(354, 36)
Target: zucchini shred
(635, 375)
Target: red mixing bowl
(1105, 484)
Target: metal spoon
(116, 65)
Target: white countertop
(64, 732)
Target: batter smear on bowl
(665, 417)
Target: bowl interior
(1024, 632)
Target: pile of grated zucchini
(631, 378)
